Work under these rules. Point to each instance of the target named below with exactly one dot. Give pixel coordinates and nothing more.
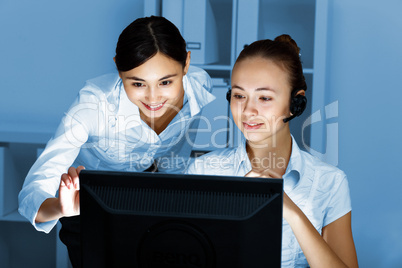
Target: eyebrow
(140, 79)
(257, 89)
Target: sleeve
(202, 85)
(191, 168)
(208, 85)
(340, 202)
(200, 165)
(218, 162)
(43, 179)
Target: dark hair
(283, 50)
(144, 37)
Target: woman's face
(260, 99)
(156, 87)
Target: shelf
(26, 133)
(308, 70)
(24, 137)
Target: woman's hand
(267, 173)
(68, 202)
(317, 249)
(69, 192)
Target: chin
(157, 114)
(260, 139)
(254, 137)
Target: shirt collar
(295, 168)
(243, 161)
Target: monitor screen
(131, 219)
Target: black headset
(229, 94)
(298, 104)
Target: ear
(301, 92)
(188, 59)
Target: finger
(79, 168)
(253, 174)
(65, 181)
(72, 172)
(274, 174)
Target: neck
(274, 155)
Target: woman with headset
(267, 90)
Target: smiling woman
(127, 121)
(268, 89)
(260, 99)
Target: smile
(155, 107)
(252, 125)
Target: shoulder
(320, 165)
(104, 81)
(218, 162)
(102, 86)
(325, 189)
(92, 100)
(197, 72)
(199, 77)
(327, 177)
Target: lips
(252, 125)
(154, 107)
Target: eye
(166, 82)
(137, 84)
(265, 98)
(238, 96)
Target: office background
(49, 48)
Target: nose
(249, 108)
(153, 95)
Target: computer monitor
(168, 220)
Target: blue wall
(364, 70)
(50, 48)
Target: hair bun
(285, 38)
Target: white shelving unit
(239, 22)
(20, 243)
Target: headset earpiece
(298, 104)
(229, 95)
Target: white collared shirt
(320, 190)
(103, 130)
